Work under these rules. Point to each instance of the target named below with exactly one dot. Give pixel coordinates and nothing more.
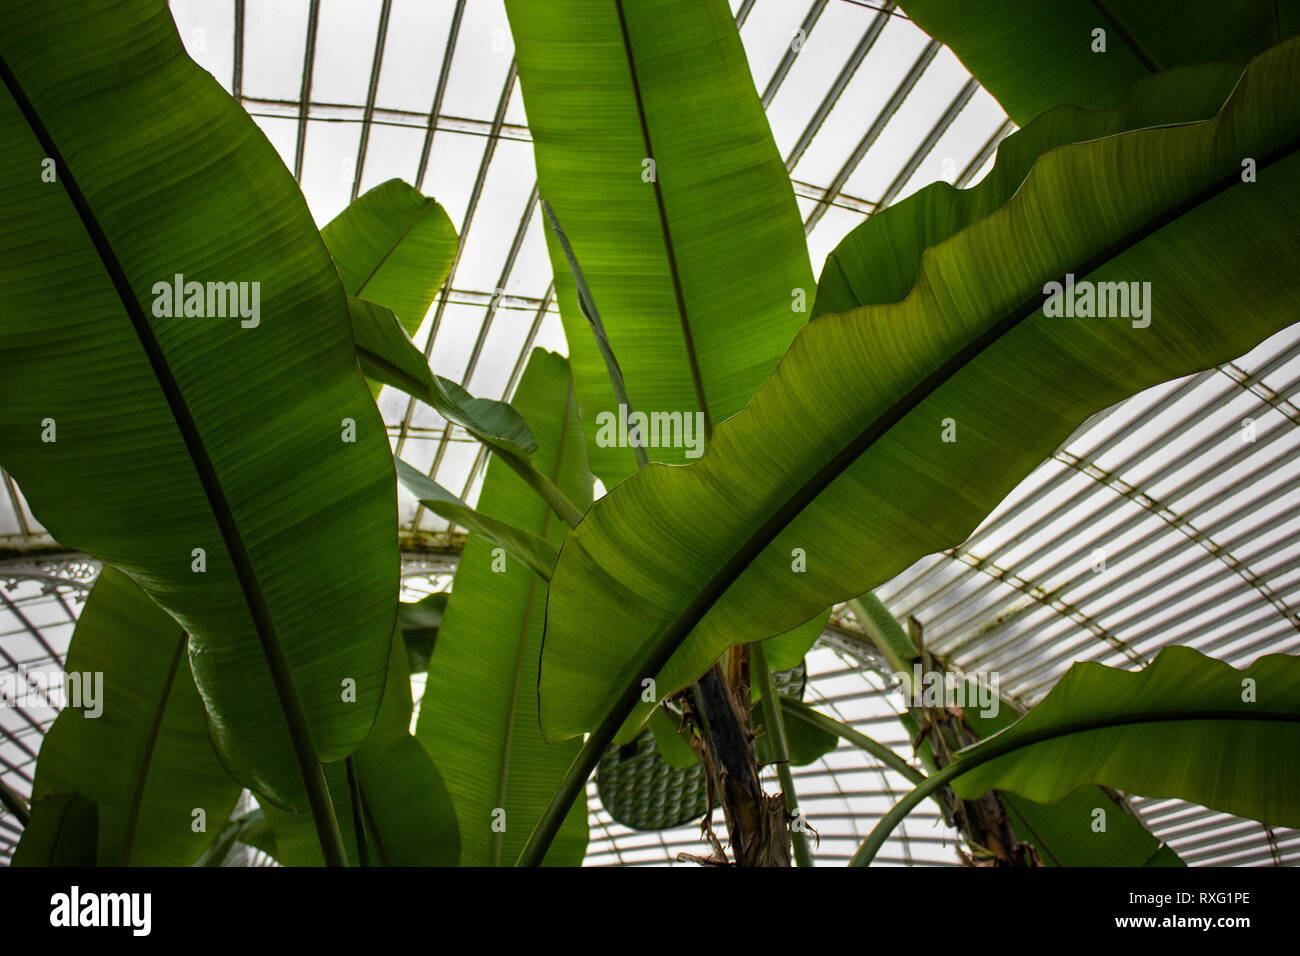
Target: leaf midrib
(146, 758)
(680, 628)
(692, 358)
(429, 205)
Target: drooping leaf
(162, 435)
(684, 220)
(1187, 726)
(880, 259)
(525, 545)
(786, 651)
(861, 399)
(1064, 831)
(478, 717)
(387, 355)
(141, 753)
(406, 808)
(1032, 56)
(393, 246)
(63, 831)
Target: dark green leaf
(172, 430)
(1032, 56)
(63, 832)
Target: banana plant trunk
(984, 822)
(757, 824)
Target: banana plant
(862, 396)
(188, 380)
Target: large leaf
(478, 717)
(184, 433)
(880, 259)
(1187, 726)
(405, 806)
(1032, 56)
(851, 421)
(694, 273)
(145, 759)
(395, 247)
(1062, 832)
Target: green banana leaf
(696, 272)
(787, 651)
(164, 434)
(880, 259)
(63, 831)
(851, 421)
(388, 356)
(478, 717)
(1032, 56)
(395, 247)
(145, 759)
(1062, 831)
(525, 545)
(1187, 726)
(406, 809)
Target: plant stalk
(774, 722)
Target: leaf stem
(775, 725)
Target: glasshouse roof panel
(1166, 515)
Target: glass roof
(1198, 527)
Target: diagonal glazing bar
(873, 132)
(304, 95)
(502, 104)
(372, 91)
(841, 81)
(435, 112)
